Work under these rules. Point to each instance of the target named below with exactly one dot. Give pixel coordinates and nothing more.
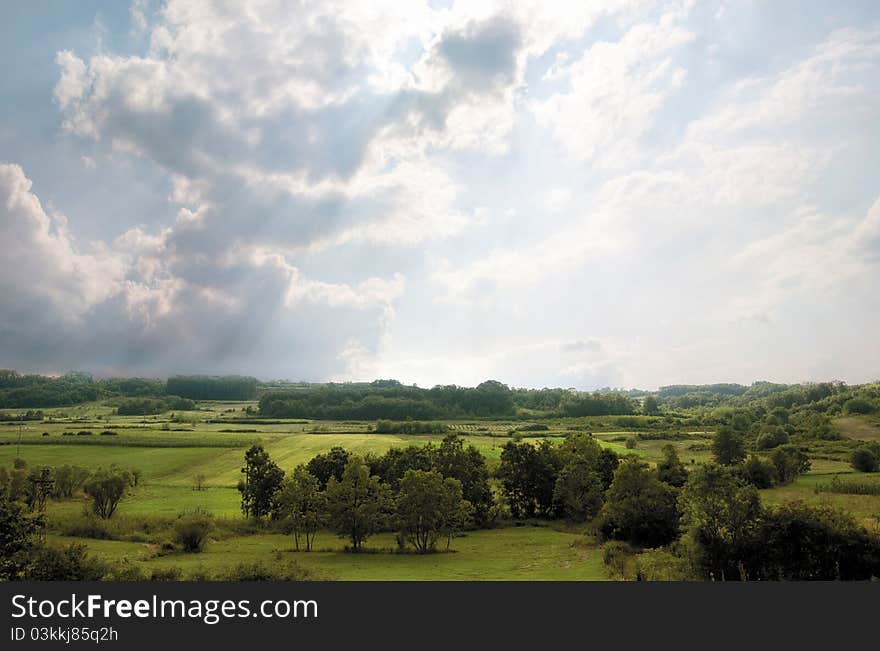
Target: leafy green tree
(584, 446)
(466, 464)
(729, 446)
(69, 479)
(772, 436)
(805, 542)
(790, 462)
(429, 505)
(758, 472)
(359, 505)
(639, 508)
(650, 406)
(722, 516)
(327, 465)
(670, 469)
(260, 484)
(578, 491)
(528, 476)
(303, 505)
(391, 466)
(18, 538)
(106, 488)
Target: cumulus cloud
(623, 192)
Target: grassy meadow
(170, 450)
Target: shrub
(191, 531)
(165, 574)
(758, 472)
(662, 565)
(617, 556)
(858, 406)
(771, 439)
(259, 571)
(631, 443)
(864, 460)
(69, 563)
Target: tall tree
(359, 505)
(303, 504)
(578, 490)
(639, 508)
(106, 488)
(729, 446)
(466, 464)
(722, 516)
(260, 483)
(670, 469)
(429, 505)
(329, 464)
(528, 476)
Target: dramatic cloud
(587, 194)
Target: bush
(191, 531)
(759, 473)
(631, 443)
(618, 557)
(259, 571)
(69, 563)
(771, 439)
(166, 574)
(864, 460)
(662, 565)
(858, 406)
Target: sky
(579, 194)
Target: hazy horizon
(629, 193)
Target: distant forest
(392, 400)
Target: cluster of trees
(409, 427)
(423, 492)
(104, 486)
(29, 415)
(828, 398)
(783, 465)
(27, 391)
(150, 406)
(730, 535)
(388, 399)
(209, 387)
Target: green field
(171, 451)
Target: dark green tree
(106, 488)
(528, 476)
(639, 508)
(327, 465)
(790, 462)
(578, 491)
(466, 464)
(864, 459)
(760, 473)
(260, 483)
(729, 446)
(359, 505)
(303, 505)
(670, 469)
(722, 515)
(18, 538)
(429, 505)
